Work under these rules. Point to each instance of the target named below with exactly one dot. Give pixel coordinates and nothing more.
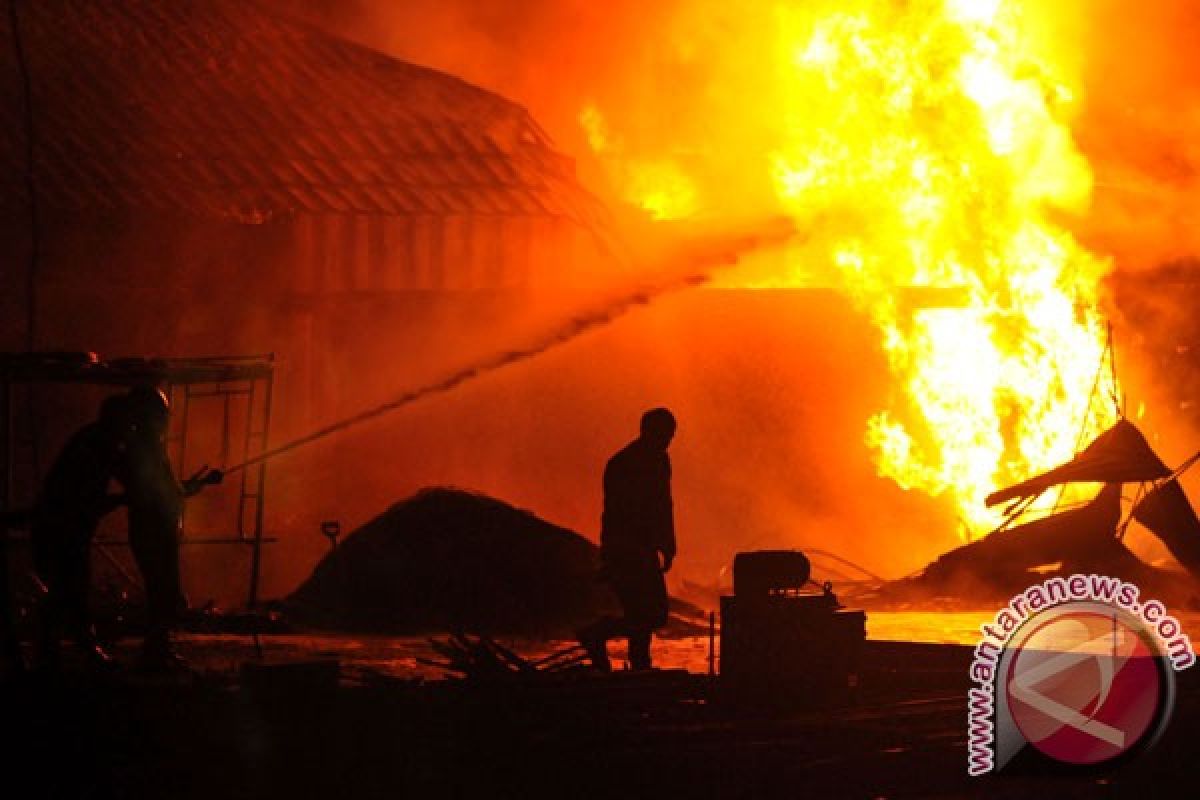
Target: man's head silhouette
(658, 427)
(149, 408)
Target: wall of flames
(926, 149)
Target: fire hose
(725, 253)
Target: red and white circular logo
(1086, 684)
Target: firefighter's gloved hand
(204, 477)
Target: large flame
(926, 144)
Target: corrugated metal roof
(221, 107)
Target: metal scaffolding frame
(227, 379)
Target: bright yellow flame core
(931, 140)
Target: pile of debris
(451, 560)
(1085, 540)
(483, 658)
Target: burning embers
(925, 144)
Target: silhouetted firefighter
(155, 501)
(73, 499)
(637, 541)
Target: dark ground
(668, 734)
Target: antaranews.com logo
(1077, 668)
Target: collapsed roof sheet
(1119, 455)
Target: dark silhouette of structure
(11, 660)
(786, 641)
(155, 499)
(637, 541)
(73, 499)
(239, 388)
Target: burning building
(230, 169)
(210, 177)
(216, 177)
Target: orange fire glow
(927, 145)
(659, 186)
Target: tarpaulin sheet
(1119, 455)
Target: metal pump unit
(785, 640)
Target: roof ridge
(387, 59)
(210, 106)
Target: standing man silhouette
(637, 541)
(155, 499)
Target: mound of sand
(447, 559)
